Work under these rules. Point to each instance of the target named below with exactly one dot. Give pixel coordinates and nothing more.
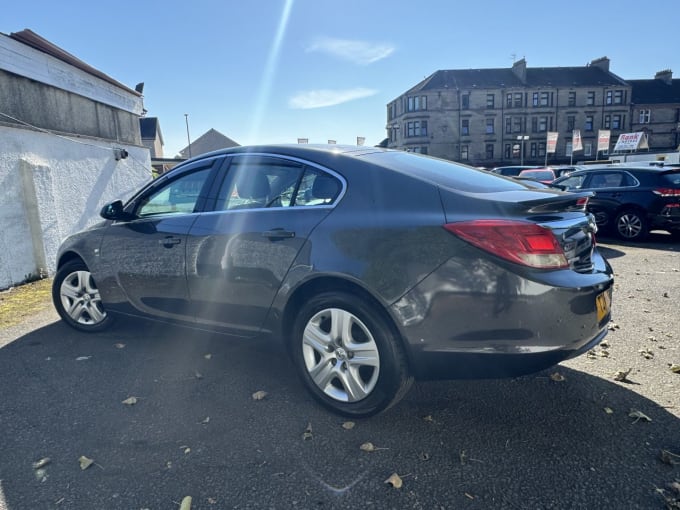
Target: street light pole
(522, 139)
(186, 119)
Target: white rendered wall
(51, 187)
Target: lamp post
(522, 139)
(186, 119)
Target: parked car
(374, 266)
(630, 200)
(544, 175)
(511, 171)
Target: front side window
(572, 182)
(179, 196)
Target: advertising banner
(576, 144)
(603, 137)
(631, 142)
(551, 144)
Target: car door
(146, 256)
(238, 254)
(609, 189)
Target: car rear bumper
(477, 319)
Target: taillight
(667, 192)
(524, 243)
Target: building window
(517, 124)
(489, 151)
(588, 149)
(609, 97)
(607, 121)
(416, 128)
(534, 99)
(416, 103)
(490, 126)
(589, 123)
(508, 100)
(465, 101)
(545, 99)
(464, 152)
(518, 100)
(572, 99)
(534, 124)
(418, 150)
(508, 125)
(590, 99)
(618, 97)
(533, 150)
(490, 100)
(465, 127)
(645, 116)
(571, 122)
(508, 150)
(541, 149)
(542, 124)
(616, 122)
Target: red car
(544, 175)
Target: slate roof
(209, 141)
(506, 78)
(149, 127)
(655, 91)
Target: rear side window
(671, 179)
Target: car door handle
(278, 233)
(168, 242)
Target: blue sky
(273, 71)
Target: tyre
(348, 355)
(631, 225)
(76, 298)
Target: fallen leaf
(85, 462)
(259, 395)
(675, 368)
(348, 425)
(41, 463)
(604, 344)
(395, 481)
(622, 375)
(207, 356)
(638, 415)
(212, 501)
(83, 358)
(370, 447)
(206, 421)
(604, 353)
(186, 503)
(428, 418)
(669, 458)
(608, 410)
(646, 353)
(557, 377)
(130, 401)
(119, 346)
(187, 451)
(307, 434)
(591, 354)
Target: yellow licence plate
(603, 301)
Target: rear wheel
(348, 356)
(76, 298)
(631, 225)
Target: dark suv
(630, 201)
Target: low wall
(52, 186)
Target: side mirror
(114, 211)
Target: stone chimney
(520, 70)
(602, 63)
(665, 76)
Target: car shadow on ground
(656, 240)
(531, 442)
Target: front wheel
(348, 356)
(631, 225)
(76, 298)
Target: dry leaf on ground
(608, 410)
(207, 356)
(259, 395)
(557, 377)
(307, 434)
(83, 358)
(638, 415)
(348, 425)
(186, 503)
(675, 368)
(119, 346)
(130, 401)
(370, 447)
(85, 462)
(395, 481)
(41, 463)
(622, 375)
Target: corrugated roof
(35, 41)
(655, 91)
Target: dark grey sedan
(374, 266)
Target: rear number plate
(604, 303)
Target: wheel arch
(323, 284)
(68, 256)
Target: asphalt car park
(229, 424)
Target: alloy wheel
(81, 300)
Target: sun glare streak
(268, 75)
